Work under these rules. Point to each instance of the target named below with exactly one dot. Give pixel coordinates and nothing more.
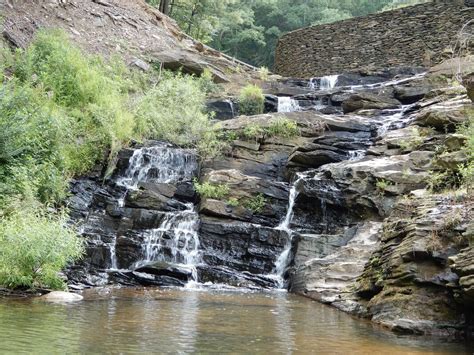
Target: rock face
(334, 206)
(408, 284)
(388, 39)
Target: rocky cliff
(349, 194)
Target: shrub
(206, 82)
(251, 101)
(382, 185)
(233, 202)
(209, 190)
(173, 111)
(256, 204)
(283, 127)
(263, 73)
(35, 246)
(253, 132)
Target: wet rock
(329, 276)
(314, 157)
(162, 268)
(240, 246)
(145, 279)
(366, 101)
(227, 276)
(410, 94)
(223, 109)
(408, 282)
(61, 297)
(271, 103)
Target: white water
(388, 83)
(282, 261)
(179, 233)
(113, 254)
(287, 104)
(159, 164)
(325, 82)
(329, 82)
(355, 155)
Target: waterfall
(176, 239)
(287, 104)
(323, 83)
(329, 82)
(113, 254)
(282, 261)
(232, 108)
(159, 164)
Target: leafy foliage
(256, 203)
(35, 246)
(283, 127)
(209, 190)
(61, 113)
(249, 29)
(251, 100)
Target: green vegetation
(251, 100)
(35, 245)
(233, 202)
(249, 29)
(467, 170)
(209, 190)
(253, 132)
(256, 203)
(382, 185)
(283, 127)
(61, 113)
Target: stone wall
(415, 36)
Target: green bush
(214, 191)
(174, 111)
(253, 132)
(283, 127)
(256, 203)
(35, 246)
(251, 101)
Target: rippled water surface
(195, 321)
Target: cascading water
(287, 104)
(329, 82)
(282, 261)
(176, 239)
(323, 83)
(159, 164)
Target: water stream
(176, 239)
(177, 321)
(288, 104)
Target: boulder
(61, 297)
(410, 94)
(366, 101)
(162, 268)
(223, 109)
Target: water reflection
(194, 321)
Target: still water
(196, 321)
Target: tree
(165, 6)
(250, 29)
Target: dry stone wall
(414, 36)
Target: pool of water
(197, 321)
